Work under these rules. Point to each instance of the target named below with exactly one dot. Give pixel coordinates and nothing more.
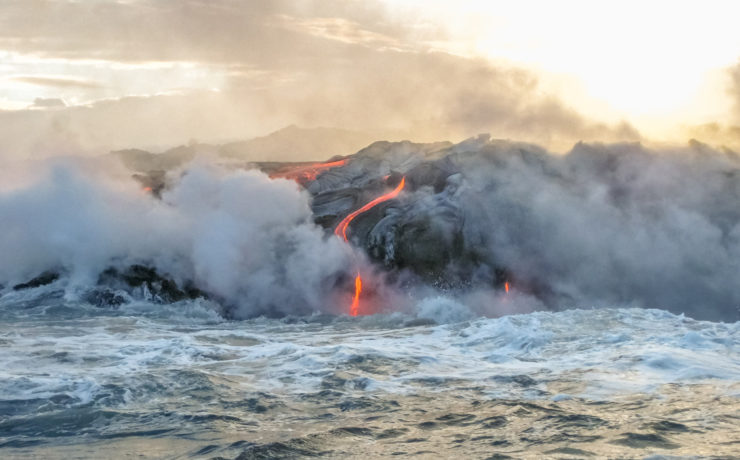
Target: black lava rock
(41, 280)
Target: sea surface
(146, 380)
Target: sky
(93, 75)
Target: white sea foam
(601, 353)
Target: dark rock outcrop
(160, 287)
(43, 279)
(105, 298)
(423, 230)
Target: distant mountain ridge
(289, 144)
(293, 143)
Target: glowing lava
(506, 287)
(341, 231)
(354, 309)
(307, 173)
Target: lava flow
(306, 173)
(341, 231)
(354, 309)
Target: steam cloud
(604, 225)
(245, 238)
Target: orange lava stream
(354, 309)
(309, 172)
(506, 287)
(341, 231)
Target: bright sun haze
(649, 61)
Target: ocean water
(145, 380)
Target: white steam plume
(240, 236)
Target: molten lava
(306, 173)
(506, 287)
(341, 231)
(354, 309)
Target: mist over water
(609, 225)
(241, 236)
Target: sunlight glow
(643, 59)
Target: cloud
(735, 90)
(41, 103)
(146, 122)
(433, 96)
(717, 134)
(342, 30)
(389, 94)
(350, 65)
(150, 30)
(725, 133)
(58, 82)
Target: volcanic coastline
(488, 214)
